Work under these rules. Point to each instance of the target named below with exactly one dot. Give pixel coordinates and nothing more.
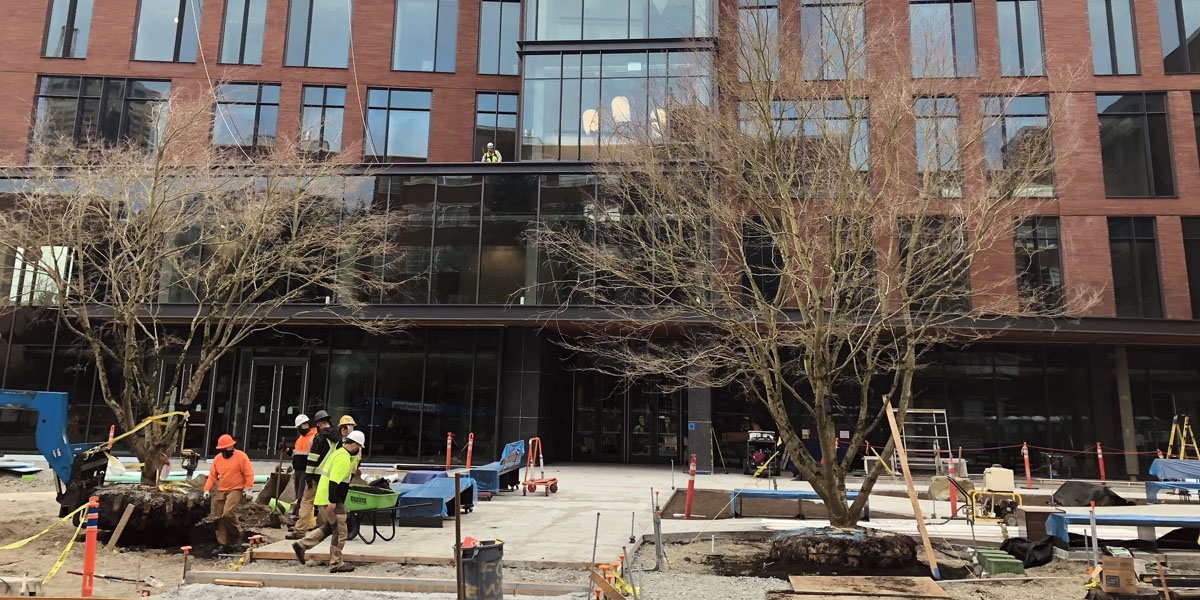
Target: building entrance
(278, 387)
(636, 425)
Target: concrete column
(700, 428)
(1125, 404)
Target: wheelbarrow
(374, 506)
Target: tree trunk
(152, 453)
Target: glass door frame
(210, 381)
(275, 408)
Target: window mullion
(181, 16)
(245, 32)
(1112, 37)
(308, 30)
(69, 34)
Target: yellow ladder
(1186, 438)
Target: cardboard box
(1118, 576)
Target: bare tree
(166, 253)
(814, 233)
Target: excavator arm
(79, 471)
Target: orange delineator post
(470, 448)
(1100, 457)
(89, 546)
(953, 490)
(112, 429)
(449, 445)
(687, 509)
(1025, 455)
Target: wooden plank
(418, 560)
(610, 592)
(896, 587)
(238, 583)
(795, 596)
(912, 493)
(112, 541)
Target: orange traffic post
(470, 448)
(112, 429)
(953, 490)
(1159, 453)
(449, 445)
(1100, 457)
(687, 509)
(1025, 455)
(89, 546)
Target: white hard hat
(491, 145)
(301, 419)
(357, 437)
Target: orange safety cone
(449, 444)
(470, 448)
(687, 509)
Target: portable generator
(760, 447)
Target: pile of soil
(842, 551)
(159, 519)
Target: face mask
(349, 428)
(227, 453)
(353, 452)
(304, 429)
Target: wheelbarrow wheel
(353, 524)
(553, 488)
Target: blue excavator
(79, 468)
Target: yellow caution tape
(623, 587)
(885, 467)
(62, 558)
(18, 544)
(145, 422)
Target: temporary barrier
(89, 546)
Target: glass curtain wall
(616, 19)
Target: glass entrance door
(196, 434)
(277, 390)
(654, 421)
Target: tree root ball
(833, 549)
(159, 519)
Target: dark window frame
(1146, 143)
(499, 38)
(1021, 58)
(180, 25)
(1001, 119)
(383, 156)
(1196, 116)
(68, 31)
(1032, 275)
(258, 106)
(103, 102)
(324, 106)
(1112, 40)
(1191, 233)
(1181, 32)
(245, 30)
(1135, 262)
(477, 143)
(953, 37)
(856, 71)
(531, 18)
(308, 21)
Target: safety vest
(316, 460)
(304, 442)
(491, 157)
(337, 469)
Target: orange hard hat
(225, 441)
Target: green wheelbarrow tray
(370, 498)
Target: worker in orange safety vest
(233, 476)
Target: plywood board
(876, 587)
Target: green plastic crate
(997, 562)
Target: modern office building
(417, 87)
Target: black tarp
(1031, 554)
(1079, 493)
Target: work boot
(299, 550)
(342, 568)
(295, 535)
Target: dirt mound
(844, 549)
(159, 519)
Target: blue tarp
(421, 476)
(432, 498)
(1175, 468)
(1056, 524)
(1152, 488)
(488, 476)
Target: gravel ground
(218, 592)
(689, 586)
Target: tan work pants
(224, 516)
(337, 529)
(305, 521)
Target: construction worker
(491, 154)
(233, 476)
(325, 440)
(299, 454)
(332, 489)
(345, 425)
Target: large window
(246, 116)
(1135, 148)
(321, 119)
(1039, 262)
(1191, 253)
(942, 33)
(616, 19)
(832, 39)
(67, 28)
(1020, 36)
(496, 122)
(938, 161)
(166, 30)
(454, 275)
(1016, 146)
(1135, 267)
(425, 34)
(318, 34)
(242, 33)
(1114, 45)
(92, 109)
(933, 263)
(574, 104)
(397, 125)
(499, 29)
(758, 35)
(1179, 28)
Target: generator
(760, 447)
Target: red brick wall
(22, 25)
